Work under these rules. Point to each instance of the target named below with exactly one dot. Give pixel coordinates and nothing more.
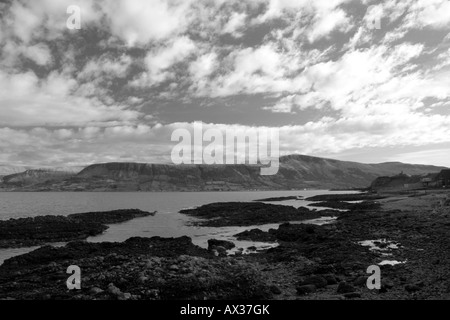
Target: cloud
(324, 25)
(159, 61)
(428, 14)
(106, 66)
(138, 22)
(145, 143)
(234, 24)
(39, 53)
(437, 157)
(368, 88)
(27, 101)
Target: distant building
(443, 178)
(426, 182)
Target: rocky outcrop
(138, 269)
(110, 217)
(27, 232)
(251, 213)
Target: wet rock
(256, 235)
(220, 243)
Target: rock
(27, 232)
(247, 214)
(360, 281)
(221, 250)
(344, 287)
(330, 278)
(114, 290)
(96, 290)
(125, 296)
(447, 289)
(318, 281)
(255, 235)
(142, 279)
(306, 289)
(275, 290)
(173, 267)
(324, 269)
(352, 295)
(386, 283)
(220, 243)
(412, 288)
(335, 297)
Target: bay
(167, 222)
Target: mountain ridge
(295, 172)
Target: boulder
(220, 243)
(317, 281)
(306, 289)
(345, 287)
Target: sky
(357, 80)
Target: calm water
(166, 223)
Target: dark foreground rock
(140, 268)
(251, 213)
(26, 232)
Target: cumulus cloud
(67, 96)
(235, 23)
(159, 62)
(27, 101)
(140, 21)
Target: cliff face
(159, 177)
(31, 177)
(295, 172)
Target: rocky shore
(251, 213)
(311, 262)
(27, 232)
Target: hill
(295, 172)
